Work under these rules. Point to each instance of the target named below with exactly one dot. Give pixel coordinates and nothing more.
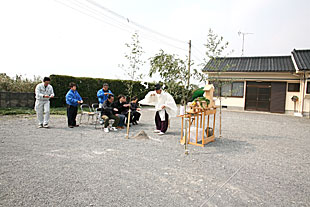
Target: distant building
(265, 83)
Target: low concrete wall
(11, 99)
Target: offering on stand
(201, 128)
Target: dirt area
(261, 160)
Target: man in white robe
(165, 107)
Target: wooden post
(303, 94)
(203, 124)
(208, 125)
(182, 129)
(128, 123)
(201, 118)
(197, 125)
(214, 123)
(189, 131)
(188, 81)
(220, 116)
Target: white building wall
(307, 101)
(237, 103)
(307, 105)
(289, 104)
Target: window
(234, 89)
(237, 89)
(216, 91)
(293, 87)
(226, 90)
(308, 87)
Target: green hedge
(88, 87)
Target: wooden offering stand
(196, 117)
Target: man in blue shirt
(103, 94)
(73, 99)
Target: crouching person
(135, 108)
(107, 114)
(73, 99)
(122, 110)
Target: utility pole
(243, 34)
(188, 82)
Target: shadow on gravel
(224, 146)
(274, 135)
(173, 133)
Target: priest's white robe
(160, 100)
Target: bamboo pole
(197, 126)
(220, 89)
(188, 81)
(203, 126)
(220, 117)
(214, 123)
(128, 123)
(182, 129)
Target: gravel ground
(261, 160)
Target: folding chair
(86, 110)
(97, 110)
(95, 107)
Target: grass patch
(59, 111)
(29, 111)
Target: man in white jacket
(44, 91)
(164, 105)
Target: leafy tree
(214, 62)
(18, 83)
(174, 74)
(132, 70)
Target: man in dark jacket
(107, 113)
(135, 110)
(122, 107)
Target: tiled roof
(251, 64)
(302, 59)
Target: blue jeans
(121, 120)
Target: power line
(120, 26)
(198, 50)
(152, 39)
(196, 57)
(92, 16)
(197, 53)
(135, 23)
(166, 43)
(95, 12)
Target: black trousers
(130, 118)
(71, 114)
(161, 125)
(136, 116)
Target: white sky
(43, 37)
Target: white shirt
(41, 91)
(160, 100)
